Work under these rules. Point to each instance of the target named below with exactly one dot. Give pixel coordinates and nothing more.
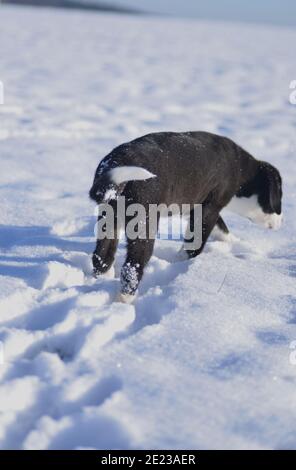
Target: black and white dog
(182, 168)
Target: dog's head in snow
(260, 199)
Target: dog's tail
(109, 183)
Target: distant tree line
(74, 4)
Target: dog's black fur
(190, 168)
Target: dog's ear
(274, 185)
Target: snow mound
(62, 275)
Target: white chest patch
(244, 206)
(250, 208)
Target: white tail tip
(122, 174)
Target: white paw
(110, 274)
(125, 298)
(232, 238)
(220, 236)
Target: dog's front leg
(210, 215)
(222, 225)
(221, 232)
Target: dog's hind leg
(104, 253)
(103, 256)
(139, 252)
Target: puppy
(182, 168)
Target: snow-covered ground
(203, 359)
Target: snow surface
(203, 358)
